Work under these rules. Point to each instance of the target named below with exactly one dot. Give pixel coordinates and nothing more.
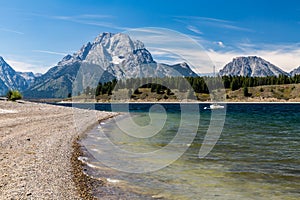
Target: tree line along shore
(235, 88)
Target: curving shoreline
(38, 147)
(83, 182)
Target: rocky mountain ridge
(295, 71)
(109, 56)
(10, 79)
(251, 66)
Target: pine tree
(234, 84)
(246, 92)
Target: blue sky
(35, 35)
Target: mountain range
(115, 56)
(109, 56)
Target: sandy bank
(36, 148)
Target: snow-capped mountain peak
(10, 79)
(109, 48)
(103, 37)
(117, 54)
(251, 66)
(295, 71)
(114, 55)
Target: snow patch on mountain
(28, 76)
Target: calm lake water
(256, 157)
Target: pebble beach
(38, 149)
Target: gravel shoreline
(39, 151)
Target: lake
(256, 156)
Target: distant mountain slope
(295, 71)
(251, 66)
(28, 76)
(109, 56)
(10, 79)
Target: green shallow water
(256, 157)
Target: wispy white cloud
(166, 37)
(172, 47)
(104, 24)
(83, 16)
(28, 63)
(25, 66)
(215, 22)
(95, 16)
(209, 19)
(285, 56)
(194, 29)
(233, 27)
(91, 19)
(11, 31)
(86, 19)
(50, 52)
(167, 45)
(166, 57)
(246, 45)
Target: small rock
(29, 194)
(28, 139)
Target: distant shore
(39, 151)
(288, 93)
(180, 102)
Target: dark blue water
(256, 157)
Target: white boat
(214, 107)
